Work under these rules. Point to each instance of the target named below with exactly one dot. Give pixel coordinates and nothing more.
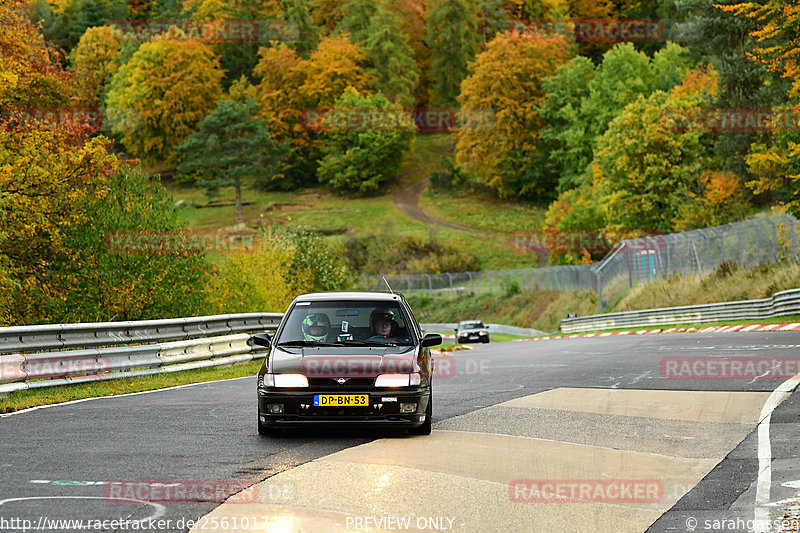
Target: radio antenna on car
(387, 284)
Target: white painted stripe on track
(761, 513)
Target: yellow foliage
(255, 281)
(94, 64)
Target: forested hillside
(617, 116)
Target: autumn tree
(507, 83)
(412, 24)
(356, 16)
(230, 148)
(65, 22)
(392, 66)
(280, 266)
(30, 72)
(158, 98)
(93, 63)
(453, 40)
(293, 89)
(363, 156)
(649, 164)
(567, 120)
(721, 38)
(327, 14)
(582, 100)
(776, 164)
(44, 179)
(335, 65)
(539, 9)
(492, 18)
(305, 33)
(120, 279)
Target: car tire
(486, 340)
(425, 428)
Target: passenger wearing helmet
(382, 322)
(315, 327)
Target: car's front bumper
(299, 409)
(473, 337)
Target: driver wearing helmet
(315, 327)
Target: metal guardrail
(780, 304)
(493, 328)
(114, 350)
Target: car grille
(340, 412)
(325, 384)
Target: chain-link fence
(749, 244)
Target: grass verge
(24, 399)
(337, 216)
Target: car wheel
(425, 428)
(486, 340)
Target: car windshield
(471, 325)
(345, 323)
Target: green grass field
(317, 209)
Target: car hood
(325, 362)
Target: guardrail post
(774, 237)
(741, 248)
(489, 275)
(430, 285)
(599, 292)
(721, 236)
(471, 286)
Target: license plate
(341, 400)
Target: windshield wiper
(305, 344)
(365, 343)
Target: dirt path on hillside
(407, 201)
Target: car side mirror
(431, 339)
(261, 339)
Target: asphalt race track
(646, 445)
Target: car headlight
(397, 380)
(290, 380)
(482, 333)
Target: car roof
(349, 295)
